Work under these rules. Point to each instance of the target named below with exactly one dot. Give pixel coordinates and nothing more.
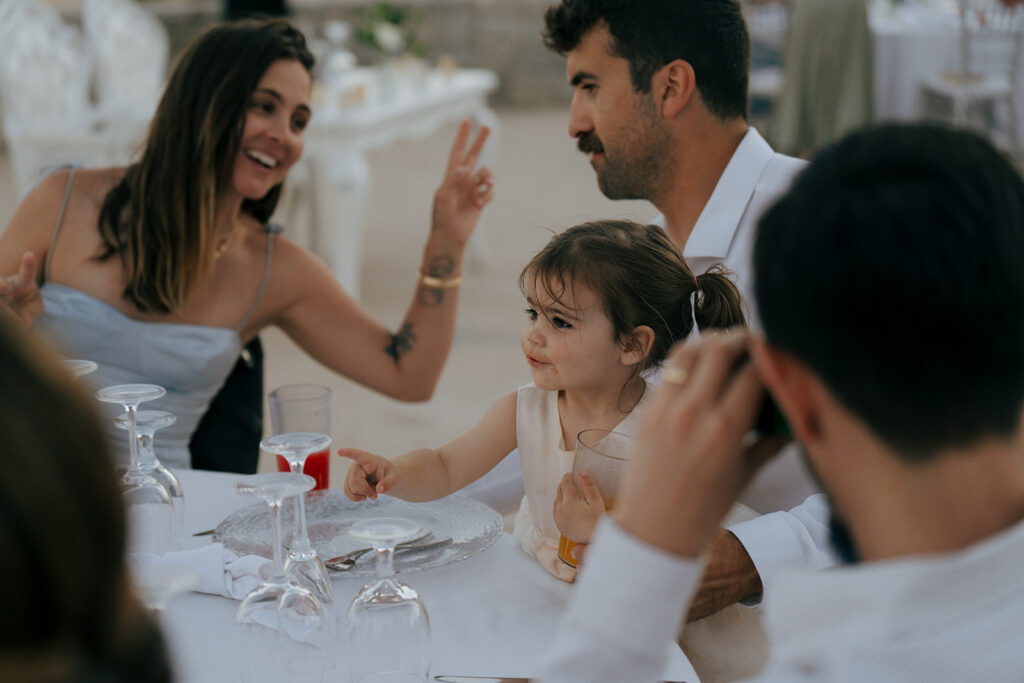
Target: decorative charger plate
(472, 526)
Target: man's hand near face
(690, 464)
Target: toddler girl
(605, 302)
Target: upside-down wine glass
(150, 509)
(285, 626)
(303, 564)
(147, 423)
(388, 626)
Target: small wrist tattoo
(439, 268)
(401, 342)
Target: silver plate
(472, 526)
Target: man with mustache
(660, 104)
(890, 282)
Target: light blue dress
(190, 361)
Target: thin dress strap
(60, 221)
(272, 229)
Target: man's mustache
(589, 143)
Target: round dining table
(492, 614)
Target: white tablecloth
(492, 614)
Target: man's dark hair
(709, 34)
(894, 269)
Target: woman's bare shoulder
(296, 259)
(94, 184)
(89, 186)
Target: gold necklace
(223, 246)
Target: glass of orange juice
(603, 454)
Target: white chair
(130, 49)
(15, 15)
(46, 80)
(983, 93)
(47, 116)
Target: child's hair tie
(696, 286)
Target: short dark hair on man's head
(894, 269)
(709, 34)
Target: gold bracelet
(440, 283)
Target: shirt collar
(721, 216)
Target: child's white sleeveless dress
(545, 459)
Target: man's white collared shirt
(954, 617)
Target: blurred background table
(825, 67)
(380, 108)
(911, 42)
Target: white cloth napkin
(221, 571)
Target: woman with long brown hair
(160, 271)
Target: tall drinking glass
(286, 631)
(388, 626)
(304, 564)
(303, 408)
(147, 423)
(604, 455)
(151, 520)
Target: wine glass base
(383, 592)
(309, 571)
(286, 633)
(388, 641)
(264, 597)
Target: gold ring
(674, 375)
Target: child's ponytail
(716, 303)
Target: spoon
(345, 562)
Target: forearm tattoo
(442, 268)
(401, 343)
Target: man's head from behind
(709, 34)
(893, 270)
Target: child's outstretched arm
(578, 508)
(426, 473)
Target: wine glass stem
(133, 447)
(275, 538)
(300, 504)
(385, 562)
(147, 457)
